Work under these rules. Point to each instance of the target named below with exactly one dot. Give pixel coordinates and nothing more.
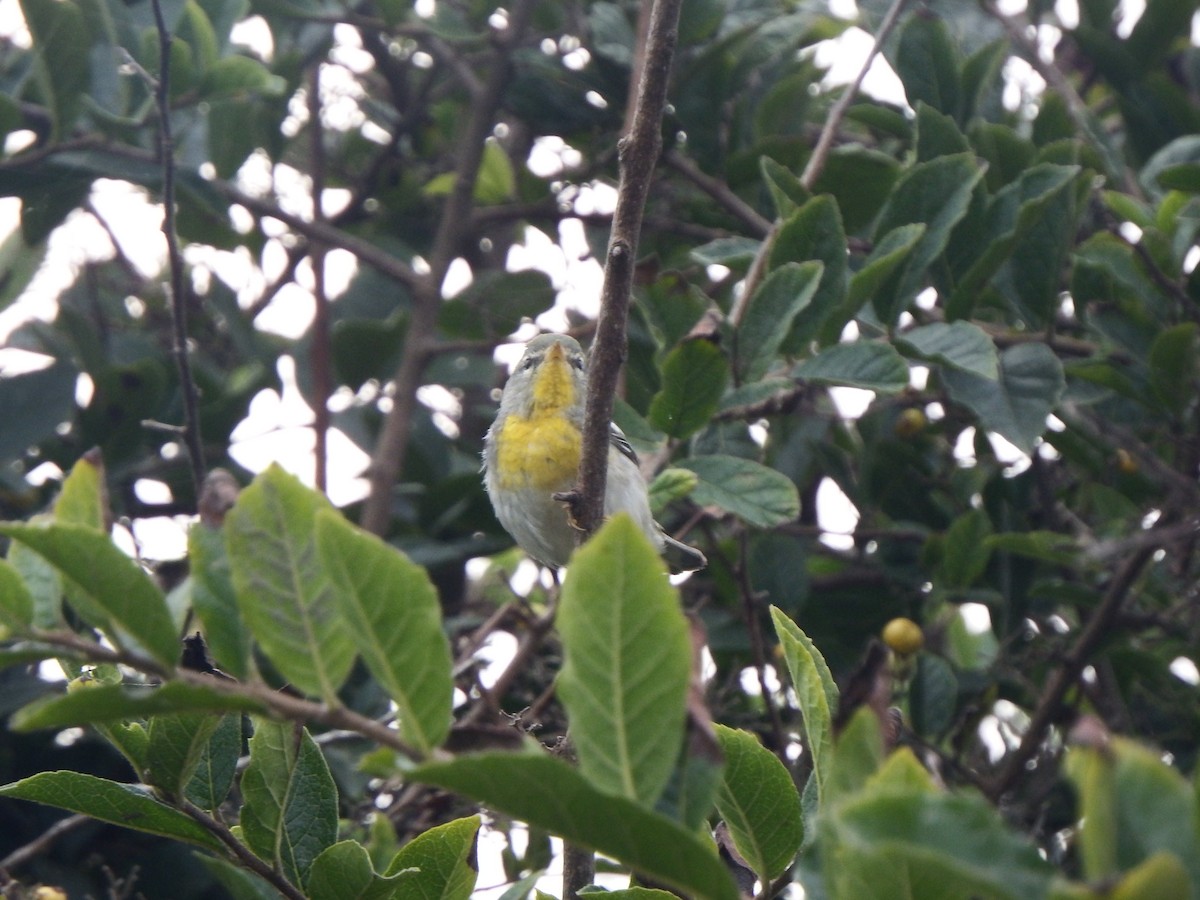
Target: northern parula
(533, 448)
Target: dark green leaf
(694, 377)
(16, 603)
(494, 304)
(626, 663)
(61, 45)
(934, 695)
(33, 404)
(1016, 406)
(769, 315)
(927, 62)
(761, 496)
(1173, 366)
(127, 805)
(177, 744)
(814, 232)
(290, 811)
(959, 345)
(214, 601)
(965, 550)
(547, 792)
(862, 364)
(214, 773)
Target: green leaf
(1161, 875)
(869, 365)
(787, 193)
(127, 805)
(177, 744)
(62, 44)
(626, 663)
(495, 182)
(813, 233)
(111, 580)
(235, 76)
(343, 872)
(1173, 366)
(927, 63)
(1017, 404)
(283, 590)
(784, 293)
(547, 793)
(16, 602)
(694, 376)
(816, 693)
(761, 496)
(956, 844)
(933, 695)
(936, 193)
(214, 772)
(446, 860)
(857, 756)
(290, 811)
(959, 345)
(33, 404)
(888, 254)
(394, 617)
(1091, 772)
(965, 550)
(81, 498)
(240, 883)
(759, 802)
(215, 602)
(728, 251)
(111, 702)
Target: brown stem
(391, 448)
(241, 852)
(638, 155)
(42, 842)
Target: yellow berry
(1125, 462)
(903, 636)
(910, 422)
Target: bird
(532, 452)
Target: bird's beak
(555, 353)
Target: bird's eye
(577, 362)
(527, 363)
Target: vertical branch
(639, 151)
(387, 462)
(175, 287)
(321, 349)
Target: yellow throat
(542, 450)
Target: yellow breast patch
(539, 452)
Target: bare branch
(321, 348)
(639, 153)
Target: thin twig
(241, 852)
(1049, 707)
(42, 842)
(179, 295)
(750, 607)
(388, 458)
(638, 155)
(321, 349)
(758, 224)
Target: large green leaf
(113, 702)
(283, 590)
(936, 193)
(626, 663)
(214, 772)
(783, 294)
(759, 802)
(290, 813)
(694, 376)
(926, 60)
(959, 345)
(443, 856)
(816, 692)
(177, 744)
(395, 619)
(127, 805)
(548, 793)
(889, 253)
(62, 42)
(1015, 405)
(343, 872)
(761, 496)
(869, 365)
(112, 582)
(82, 496)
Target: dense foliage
(1002, 271)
